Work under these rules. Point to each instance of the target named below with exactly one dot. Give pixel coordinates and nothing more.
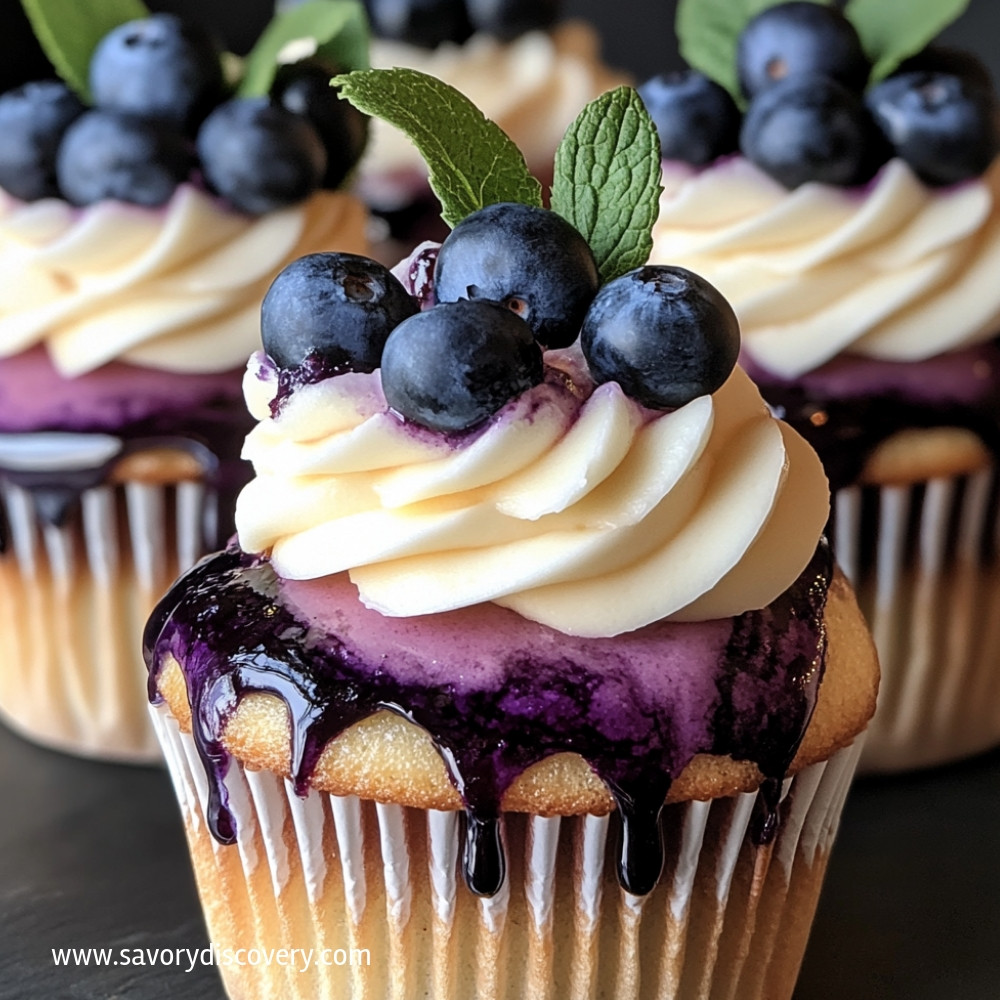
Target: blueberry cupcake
(528, 672)
(144, 209)
(527, 70)
(861, 260)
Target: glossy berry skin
(304, 89)
(259, 156)
(453, 366)
(664, 334)
(696, 119)
(528, 259)
(425, 23)
(158, 67)
(957, 62)
(944, 127)
(810, 128)
(108, 155)
(337, 307)
(33, 120)
(796, 38)
(508, 19)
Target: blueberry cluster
(429, 23)
(161, 115)
(809, 117)
(510, 281)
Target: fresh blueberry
(508, 19)
(957, 62)
(338, 306)
(696, 119)
(944, 127)
(528, 259)
(810, 128)
(304, 89)
(799, 37)
(426, 23)
(33, 120)
(158, 67)
(664, 334)
(108, 155)
(260, 156)
(453, 366)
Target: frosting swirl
(896, 270)
(573, 505)
(176, 289)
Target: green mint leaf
(69, 30)
(892, 32)
(335, 31)
(607, 180)
(471, 162)
(708, 30)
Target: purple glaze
(498, 693)
(848, 406)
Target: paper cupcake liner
(923, 561)
(375, 891)
(73, 603)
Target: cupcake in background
(146, 204)
(545, 614)
(517, 61)
(852, 217)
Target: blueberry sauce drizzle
(234, 629)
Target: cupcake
(140, 226)
(861, 263)
(528, 672)
(528, 71)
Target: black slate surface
(93, 855)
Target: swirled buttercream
(895, 270)
(177, 288)
(574, 506)
(532, 88)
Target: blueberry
(33, 120)
(664, 334)
(304, 89)
(426, 23)
(338, 306)
(957, 62)
(158, 67)
(260, 156)
(528, 259)
(800, 37)
(108, 155)
(453, 366)
(508, 19)
(696, 119)
(944, 127)
(809, 128)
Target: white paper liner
(922, 561)
(728, 920)
(73, 603)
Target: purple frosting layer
(497, 693)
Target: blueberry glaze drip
(744, 687)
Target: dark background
(93, 854)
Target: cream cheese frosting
(896, 270)
(573, 505)
(177, 289)
(533, 88)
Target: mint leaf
(607, 180)
(69, 30)
(472, 163)
(708, 30)
(335, 31)
(892, 32)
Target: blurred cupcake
(860, 259)
(486, 594)
(137, 238)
